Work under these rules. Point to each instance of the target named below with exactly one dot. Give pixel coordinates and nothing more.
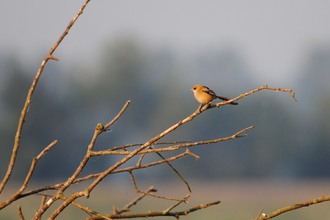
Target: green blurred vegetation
(289, 139)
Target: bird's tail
(226, 99)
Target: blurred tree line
(289, 139)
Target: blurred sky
(272, 36)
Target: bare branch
(205, 107)
(293, 207)
(28, 177)
(42, 153)
(147, 193)
(129, 205)
(175, 205)
(20, 213)
(175, 147)
(29, 96)
(257, 90)
(259, 213)
(156, 214)
(139, 144)
(98, 130)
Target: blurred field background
(240, 200)
(153, 53)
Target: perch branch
(209, 106)
(256, 90)
(136, 151)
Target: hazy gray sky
(272, 36)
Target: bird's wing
(209, 91)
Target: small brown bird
(204, 95)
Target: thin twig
(155, 214)
(139, 149)
(293, 207)
(259, 213)
(29, 96)
(87, 210)
(20, 213)
(171, 148)
(175, 205)
(168, 163)
(129, 205)
(175, 147)
(139, 144)
(256, 90)
(209, 106)
(56, 186)
(28, 177)
(147, 193)
(98, 130)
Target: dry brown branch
(157, 214)
(205, 107)
(20, 212)
(168, 163)
(43, 200)
(98, 130)
(293, 207)
(161, 156)
(139, 144)
(91, 176)
(28, 101)
(175, 147)
(28, 177)
(29, 96)
(257, 90)
(171, 148)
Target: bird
(204, 95)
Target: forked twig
(147, 193)
(129, 205)
(98, 130)
(259, 213)
(175, 205)
(28, 177)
